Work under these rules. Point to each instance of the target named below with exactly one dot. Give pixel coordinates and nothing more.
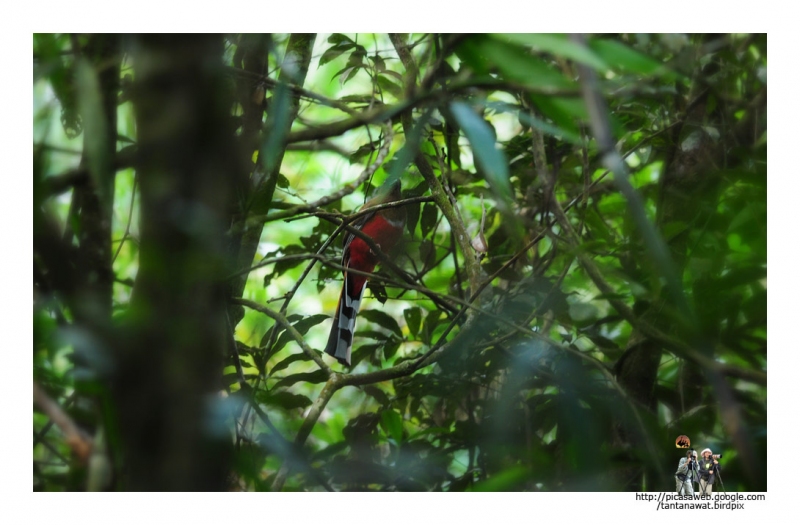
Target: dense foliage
(582, 277)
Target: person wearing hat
(709, 466)
(686, 473)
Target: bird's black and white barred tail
(340, 340)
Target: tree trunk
(168, 374)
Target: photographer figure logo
(709, 470)
(687, 473)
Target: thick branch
(299, 47)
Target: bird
(384, 227)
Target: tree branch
(80, 442)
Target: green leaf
(282, 182)
(285, 400)
(564, 111)
(428, 220)
(390, 87)
(394, 74)
(356, 58)
(547, 128)
(302, 326)
(365, 351)
(376, 393)
(673, 229)
(300, 356)
(379, 63)
(392, 425)
(412, 217)
(518, 65)
(334, 51)
(347, 73)
(383, 319)
(469, 52)
(618, 54)
(413, 318)
(557, 44)
(377, 335)
(44, 330)
(362, 151)
(405, 155)
(427, 250)
(339, 38)
(752, 211)
(318, 376)
(390, 349)
(491, 160)
(430, 324)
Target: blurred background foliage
(562, 307)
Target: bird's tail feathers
(340, 340)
